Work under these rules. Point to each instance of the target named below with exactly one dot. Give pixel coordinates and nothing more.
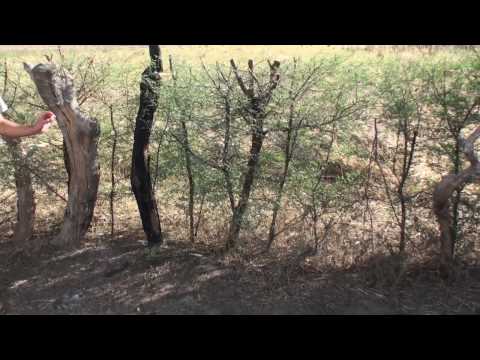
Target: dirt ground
(123, 277)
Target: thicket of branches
(335, 156)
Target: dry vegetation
(344, 259)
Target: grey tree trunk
(252, 165)
(25, 195)
(256, 112)
(444, 191)
(80, 133)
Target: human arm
(13, 130)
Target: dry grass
(210, 54)
(322, 283)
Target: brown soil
(122, 277)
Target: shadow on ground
(122, 277)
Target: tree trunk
(68, 166)
(80, 133)
(315, 222)
(112, 173)
(225, 154)
(458, 193)
(443, 192)
(278, 200)
(258, 101)
(25, 195)
(140, 175)
(239, 212)
(288, 154)
(403, 224)
(191, 182)
(441, 207)
(187, 153)
(408, 152)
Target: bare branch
(247, 92)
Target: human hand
(44, 121)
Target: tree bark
(239, 212)
(458, 193)
(25, 195)
(288, 155)
(443, 192)
(408, 153)
(140, 175)
(112, 173)
(80, 133)
(225, 154)
(258, 101)
(68, 166)
(187, 154)
(191, 181)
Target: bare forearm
(13, 130)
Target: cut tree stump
(80, 133)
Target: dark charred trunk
(140, 175)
